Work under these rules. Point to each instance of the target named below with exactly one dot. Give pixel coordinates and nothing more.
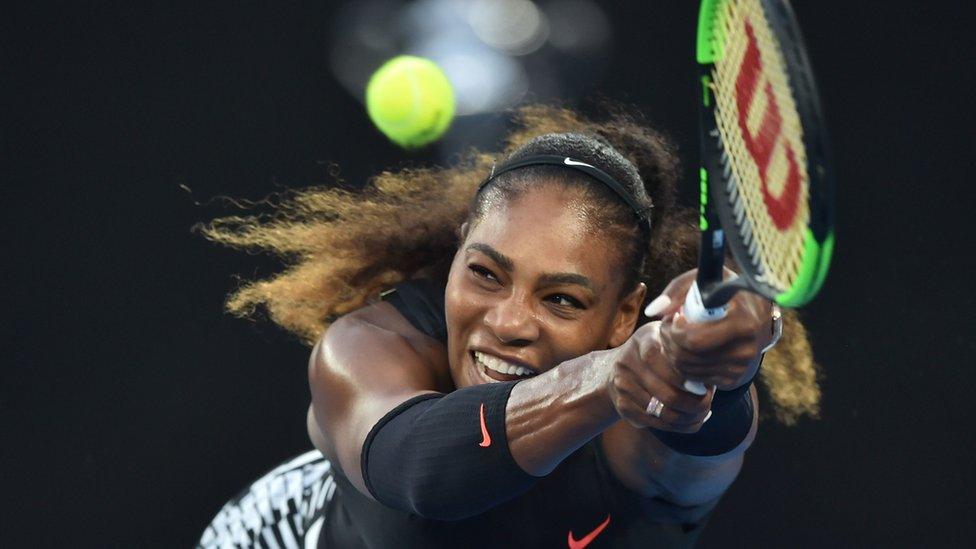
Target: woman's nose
(512, 321)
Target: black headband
(590, 170)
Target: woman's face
(531, 286)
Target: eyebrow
(547, 279)
(503, 260)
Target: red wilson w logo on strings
(762, 143)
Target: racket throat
(711, 254)
(712, 291)
(717, 295)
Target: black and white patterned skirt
(283, 509)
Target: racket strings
(764, 160)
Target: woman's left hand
(724, 353)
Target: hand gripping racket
(766, 182)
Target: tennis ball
(410, 100)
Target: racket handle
(695, 311)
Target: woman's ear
(627, 314)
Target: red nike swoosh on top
(485, 437)
(585, 540)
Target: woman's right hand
(638, 372)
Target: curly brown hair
(343, 247)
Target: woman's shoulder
(386, 317)
(381, 320)
(407, 316)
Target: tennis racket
(766, 181)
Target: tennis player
(483, 371)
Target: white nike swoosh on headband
(569, 162)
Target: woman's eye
(482, 272)
(564, 300)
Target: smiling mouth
(498, 369)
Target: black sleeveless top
(563, 509)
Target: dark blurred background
(132, 407)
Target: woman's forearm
(551, 415)
(649, 467)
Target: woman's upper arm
(358, 371)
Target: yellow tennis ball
(410, 100)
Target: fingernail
(658, 306)
(708, 415)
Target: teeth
(501, 366)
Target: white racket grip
(695, 311)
